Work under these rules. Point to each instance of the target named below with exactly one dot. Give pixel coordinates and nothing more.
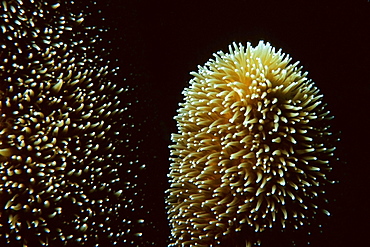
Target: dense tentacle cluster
(61, 124)
(252, 149)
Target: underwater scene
(184, 123)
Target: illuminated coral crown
(252, 147)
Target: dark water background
(158, 43)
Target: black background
(157, 44)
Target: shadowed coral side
(61, 135)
